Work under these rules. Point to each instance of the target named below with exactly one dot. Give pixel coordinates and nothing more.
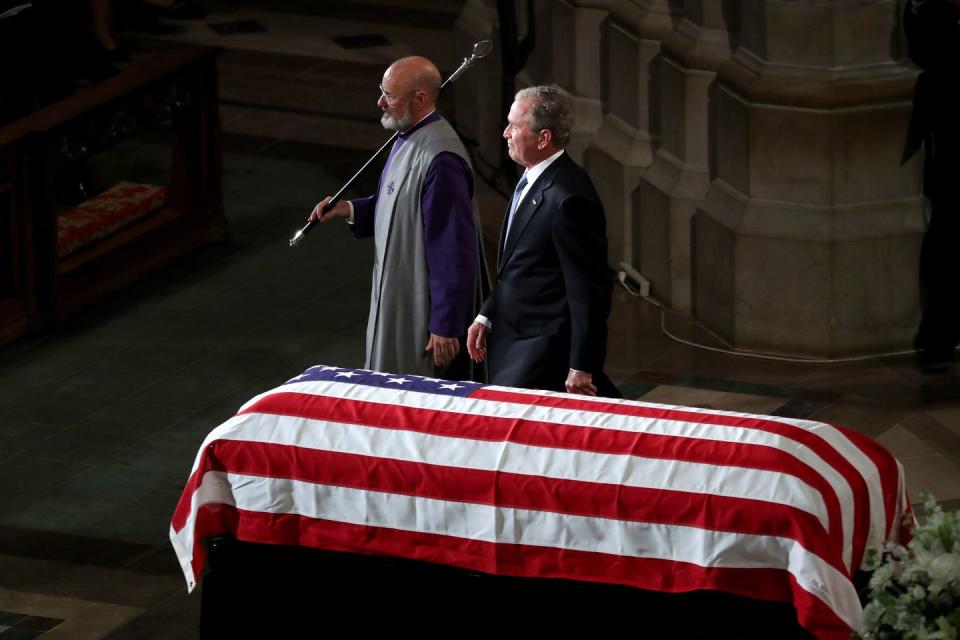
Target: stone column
(808, 239)
(672, 188)
(477, 92)
(674, 184)
(622, 144)
(575, 58)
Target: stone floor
(100, 419)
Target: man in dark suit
(544, 325)
(933, 33)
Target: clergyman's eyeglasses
(392, 97)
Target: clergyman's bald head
(415, 73)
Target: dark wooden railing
(175, 88)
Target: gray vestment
(397, 328)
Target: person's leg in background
(940, 255)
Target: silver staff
(480, 50)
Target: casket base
(279, 590)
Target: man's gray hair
(551, 108)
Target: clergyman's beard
(397, 124)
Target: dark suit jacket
(551, 297)
(933, 40)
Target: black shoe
(932, 360)
(935, 363)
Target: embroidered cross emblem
(390, 188)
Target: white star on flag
(346, 374)
(330, 369)
(452, 387)
(382, 374)
(398, 380)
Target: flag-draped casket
(527, 483)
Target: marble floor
(100, 418)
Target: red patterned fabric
(101, 215)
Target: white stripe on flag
(703, 547)
(215, 488)
(563, 464)
(830, 435)
(864, 466)
(633, 424)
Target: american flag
(542, 484)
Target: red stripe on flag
(519, 560)
(510, 490)
(887, 469)
(822, 448)
(181, 512)
(549, 434)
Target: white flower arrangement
(915, 590)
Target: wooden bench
(41, 282)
